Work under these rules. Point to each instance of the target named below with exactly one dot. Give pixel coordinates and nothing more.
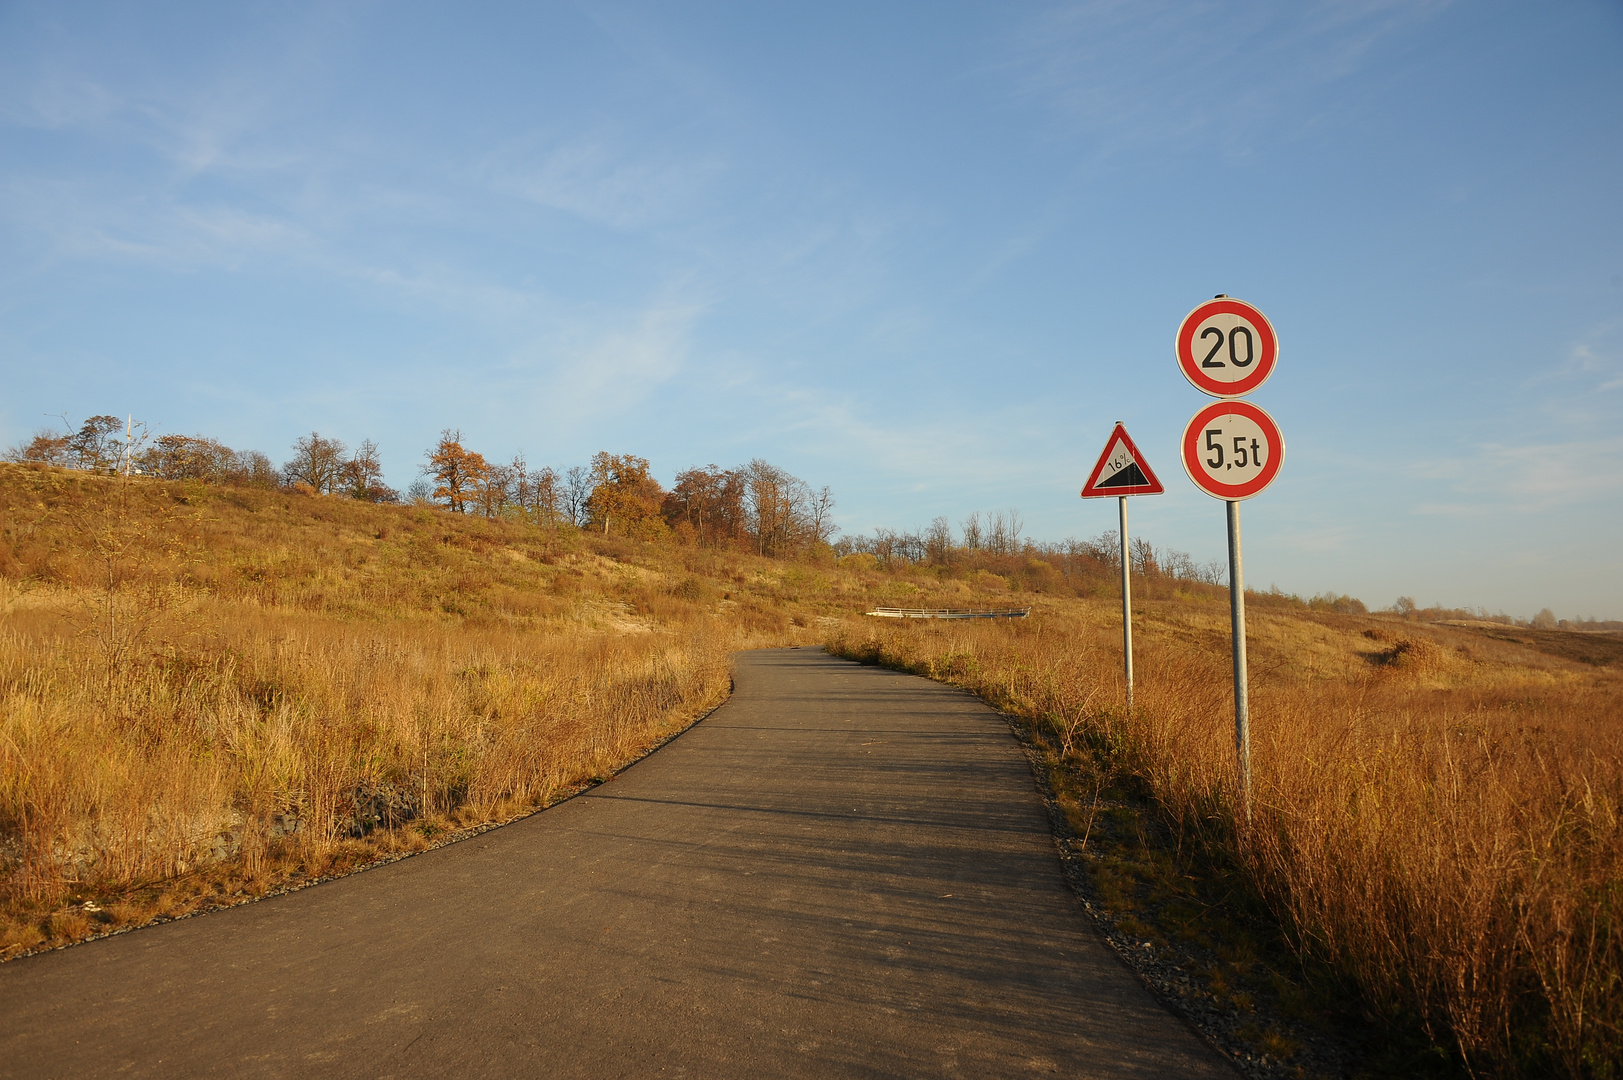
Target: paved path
(843, 872)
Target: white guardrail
(949, 613)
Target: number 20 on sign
(1226, 347)
(1232, 450)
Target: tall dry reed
(205, 688)
(292, 732)
(1443, 828)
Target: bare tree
(577, 490)
(997, 534)
(363, 475)
(1107, 548)
(938, 541)
(494, 491)
(96, 444)
(1177, 564)
(518, 487)
(45, 447)
(183, 457)
(545, 494)
(317, 463)
(776, 503)
(254, 469)
(1141, 556)
(972, 532)
(820, 514)
(885, 545)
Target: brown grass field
(212, 692)
(1436, 811)
(207, 693)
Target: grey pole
(1242, 704)
(1126, 610)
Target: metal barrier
(949, 613)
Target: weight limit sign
(1226, 347)
(1232, 450)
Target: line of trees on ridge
(107, 444)
(755, 507)
(758, 506)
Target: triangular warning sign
(1121, 470)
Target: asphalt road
(843, 872)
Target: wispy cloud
(619, 368)
(950, 456)
(598, 181)
(57, 99)
(214, 117)
(1530, 475)
(1576, 393)
(1136, 72)
(1598, 358)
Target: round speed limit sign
(1232, 450)
(1226, 347)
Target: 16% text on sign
(1122, 471)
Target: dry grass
(278, 726)
(208, 693)
(1436, 812)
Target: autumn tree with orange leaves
(755, 507)
(707, 506)
(625, 499)
(460, 475)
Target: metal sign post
(1122, 471)
(1232, 450)
(1242, 697)
(1126, 609)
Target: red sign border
(1231, 492)
(1154, 487)
(1184, 346)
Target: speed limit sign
(1232, 450)
(1226, 347)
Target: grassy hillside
(208, 692)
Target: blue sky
(925, 254)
